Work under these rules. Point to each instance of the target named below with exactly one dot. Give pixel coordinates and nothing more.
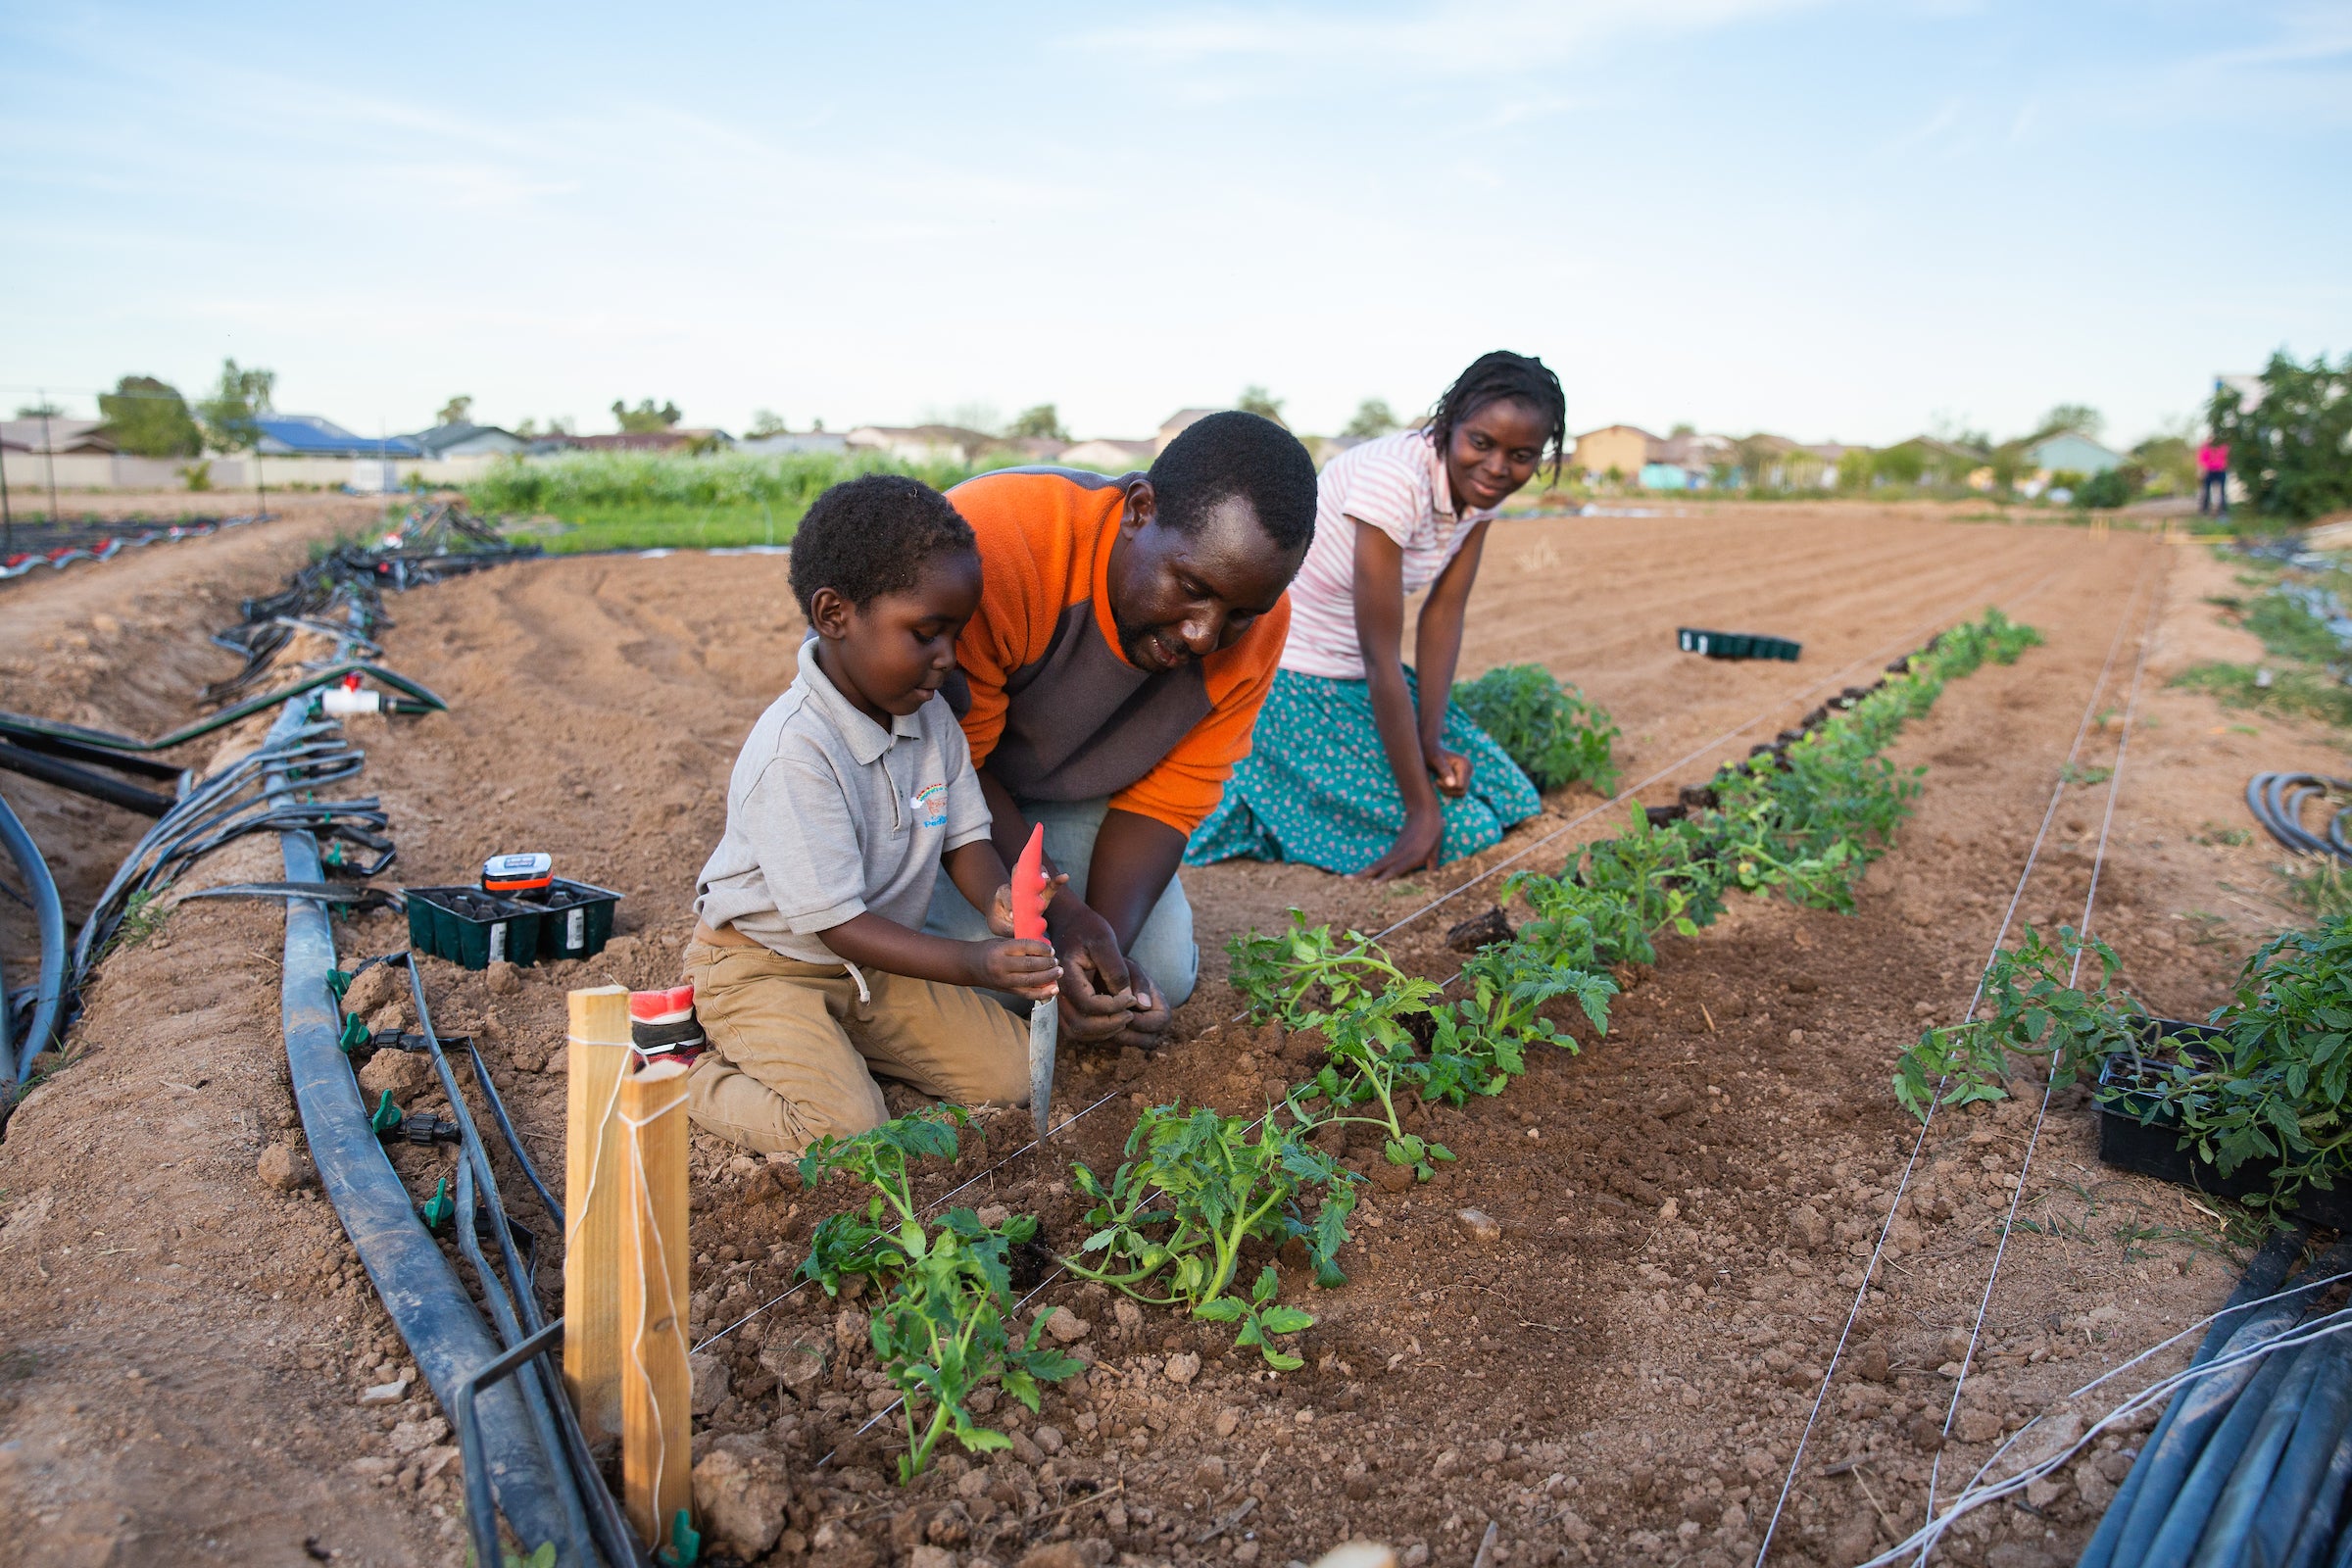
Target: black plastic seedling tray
(1736, 645)
(2154, 1148)
(577, 919)
(476, 929)
(471, 928)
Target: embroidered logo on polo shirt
(930, 803)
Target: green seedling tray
(471, 928)
(576, 919)
(1736, 644)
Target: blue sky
(1850, 221)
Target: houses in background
(1693, 460)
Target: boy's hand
(1000, 908)
(1024, 966)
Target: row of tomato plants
(1201, 1195)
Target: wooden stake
(657, 1392)
(598, 1048)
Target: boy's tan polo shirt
(829, 816)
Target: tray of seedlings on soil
(1193, 1216)
(2252, 1105)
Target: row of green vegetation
(638, 499)
(1192, 1217)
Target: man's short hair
(1236, 454)
(872, 536)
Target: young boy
(810, 972)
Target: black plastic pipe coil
(2277, 800)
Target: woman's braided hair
(1504, 377)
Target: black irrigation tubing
(50, 987)
(2277, 801)
(55, 770)
(24, 724)
(1919, 1143)
(2091, 896)
(1864, 663)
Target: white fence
(29, 473)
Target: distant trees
(645, 418)
(767, 422)
(1259, 401)
(1041, 423)
(230, 414)
(1372, 419)
(2071, 419)
(149, 419)
(2293, 448)
(457, 410)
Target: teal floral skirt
(1316, 786)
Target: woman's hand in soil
(1415, 849)
(1450, 770)
(1000, 908)
(1024, 966)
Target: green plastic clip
(685, 1542)
(436, 1209)
(355, 1034)
(339, 983)
(387, 1115)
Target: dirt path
(1604, 1378)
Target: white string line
(1930, 1533)
(1704, 749)
(927, 1208)
(1919, 1143)
(2115, 784)
(643, 1219)
(579, 1209)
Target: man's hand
(1450, 769)
(1149, 1022)
(1097, 997)
(1026, 968)
(1415, 849)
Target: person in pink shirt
(2213, 483)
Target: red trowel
(1045, 1016)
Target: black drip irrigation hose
(49, 991)
(526, 1458)
(14, 726)
(2250, 1465)
(2277, 800)
(81, 780)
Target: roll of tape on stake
(518, 873)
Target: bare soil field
(1619, 1367)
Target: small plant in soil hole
(940, 1335)
(1374, 1062)
(1171, 1227)
(1306, 969)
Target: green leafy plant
(2277, 1082)
(1197, 1187)
(1305, 970)
(1554, 732)
(2035, 1013)
(940, 1335)
(890, 1233)
(1373, 1059)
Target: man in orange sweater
(1127, 632)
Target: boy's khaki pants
(795, 1050)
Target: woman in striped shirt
(1360, 764)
